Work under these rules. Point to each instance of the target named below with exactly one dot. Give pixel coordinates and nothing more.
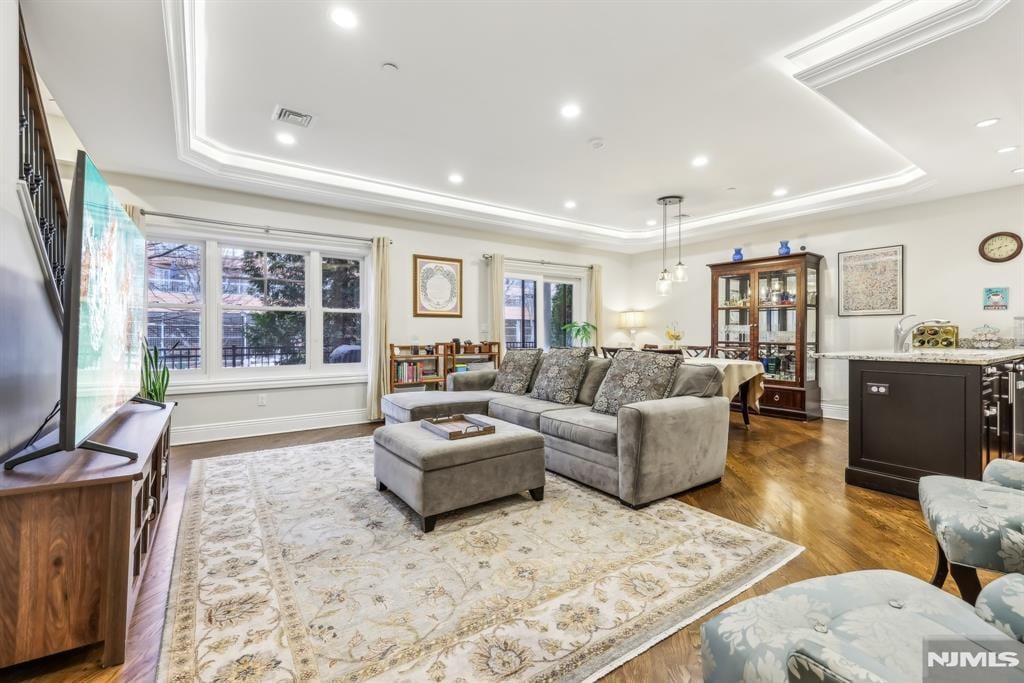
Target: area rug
(291, 566)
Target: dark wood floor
(783, 477)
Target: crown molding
(884, 36)
(184, 37)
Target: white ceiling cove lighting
(699, 161)
(651, 223)
(985, 123)
(780, 192)
(1006, 150)
(285, 138)
(569, 204)
(455, 178)
(571, 110)
(345, 18)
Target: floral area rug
(290, 565)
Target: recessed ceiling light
(780, 192)
(1006, 150)
(455, 178)
(651, 223)
(571, 110)
(389, 66)
(285, 138)
(1018, 170)
(986, 123)
(699, 161)
(569, 204)
(344, 18)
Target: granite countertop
(944, 356)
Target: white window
(538, 305)
(240, 309)
(174, 301)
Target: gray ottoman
(434, 475)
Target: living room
(674, 338)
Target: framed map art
(871, 281)
(436, 287)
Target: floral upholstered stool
(857, 627)
(977, 524)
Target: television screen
(104, 307)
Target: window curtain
(377, 375)
(497, 295)
(595, 304)
(135, 213)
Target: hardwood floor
(783, 477)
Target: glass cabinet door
(811, 363)
(733, 312)
(777, 345)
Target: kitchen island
(917, 413)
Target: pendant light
(679, 270)
(664, 284)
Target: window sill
(227, 384)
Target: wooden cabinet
(766, 309)
(76, 530)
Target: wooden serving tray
(457, 426)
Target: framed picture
(871, 281)
(995, 298)
(436, 287)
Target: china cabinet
(767, 310)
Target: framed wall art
(871, 281)
(436, 287)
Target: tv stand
(78, 529)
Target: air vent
(296, 118)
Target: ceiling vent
(296, 118)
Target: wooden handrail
(38, 168)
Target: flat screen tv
(104, 314)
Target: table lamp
(632, 321)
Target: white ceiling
(185, 90)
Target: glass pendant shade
(679, 273)
(664, 285)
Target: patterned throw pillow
(516, 371)
(560, 375)
(635, 376)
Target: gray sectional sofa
(649, 450)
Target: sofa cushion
(412, 406)
(583, 426)
(560, 375)
(516, 371)
(597, 368)
(524, 411)
(694, 379)
(635, 376)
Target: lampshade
(679, 273)
(631, 320)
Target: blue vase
(783, 247)
(737, 254)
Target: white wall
(235, 413)
(944, 275)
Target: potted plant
(155, 375)
(582, 332)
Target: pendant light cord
(664, 233)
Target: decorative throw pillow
(694, 379)
(561, 372)
(635, 376)
(516, 371)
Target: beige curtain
(135, 213)
(595, 303)
(497, 296)
(377, 372)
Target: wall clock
(1000, 247)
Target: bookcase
(408, 370)
(480, 352)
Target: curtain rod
(487, 257)
(253, 226)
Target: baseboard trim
(835, 411)
(218, 431)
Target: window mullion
(213, 318)
(314, 303)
